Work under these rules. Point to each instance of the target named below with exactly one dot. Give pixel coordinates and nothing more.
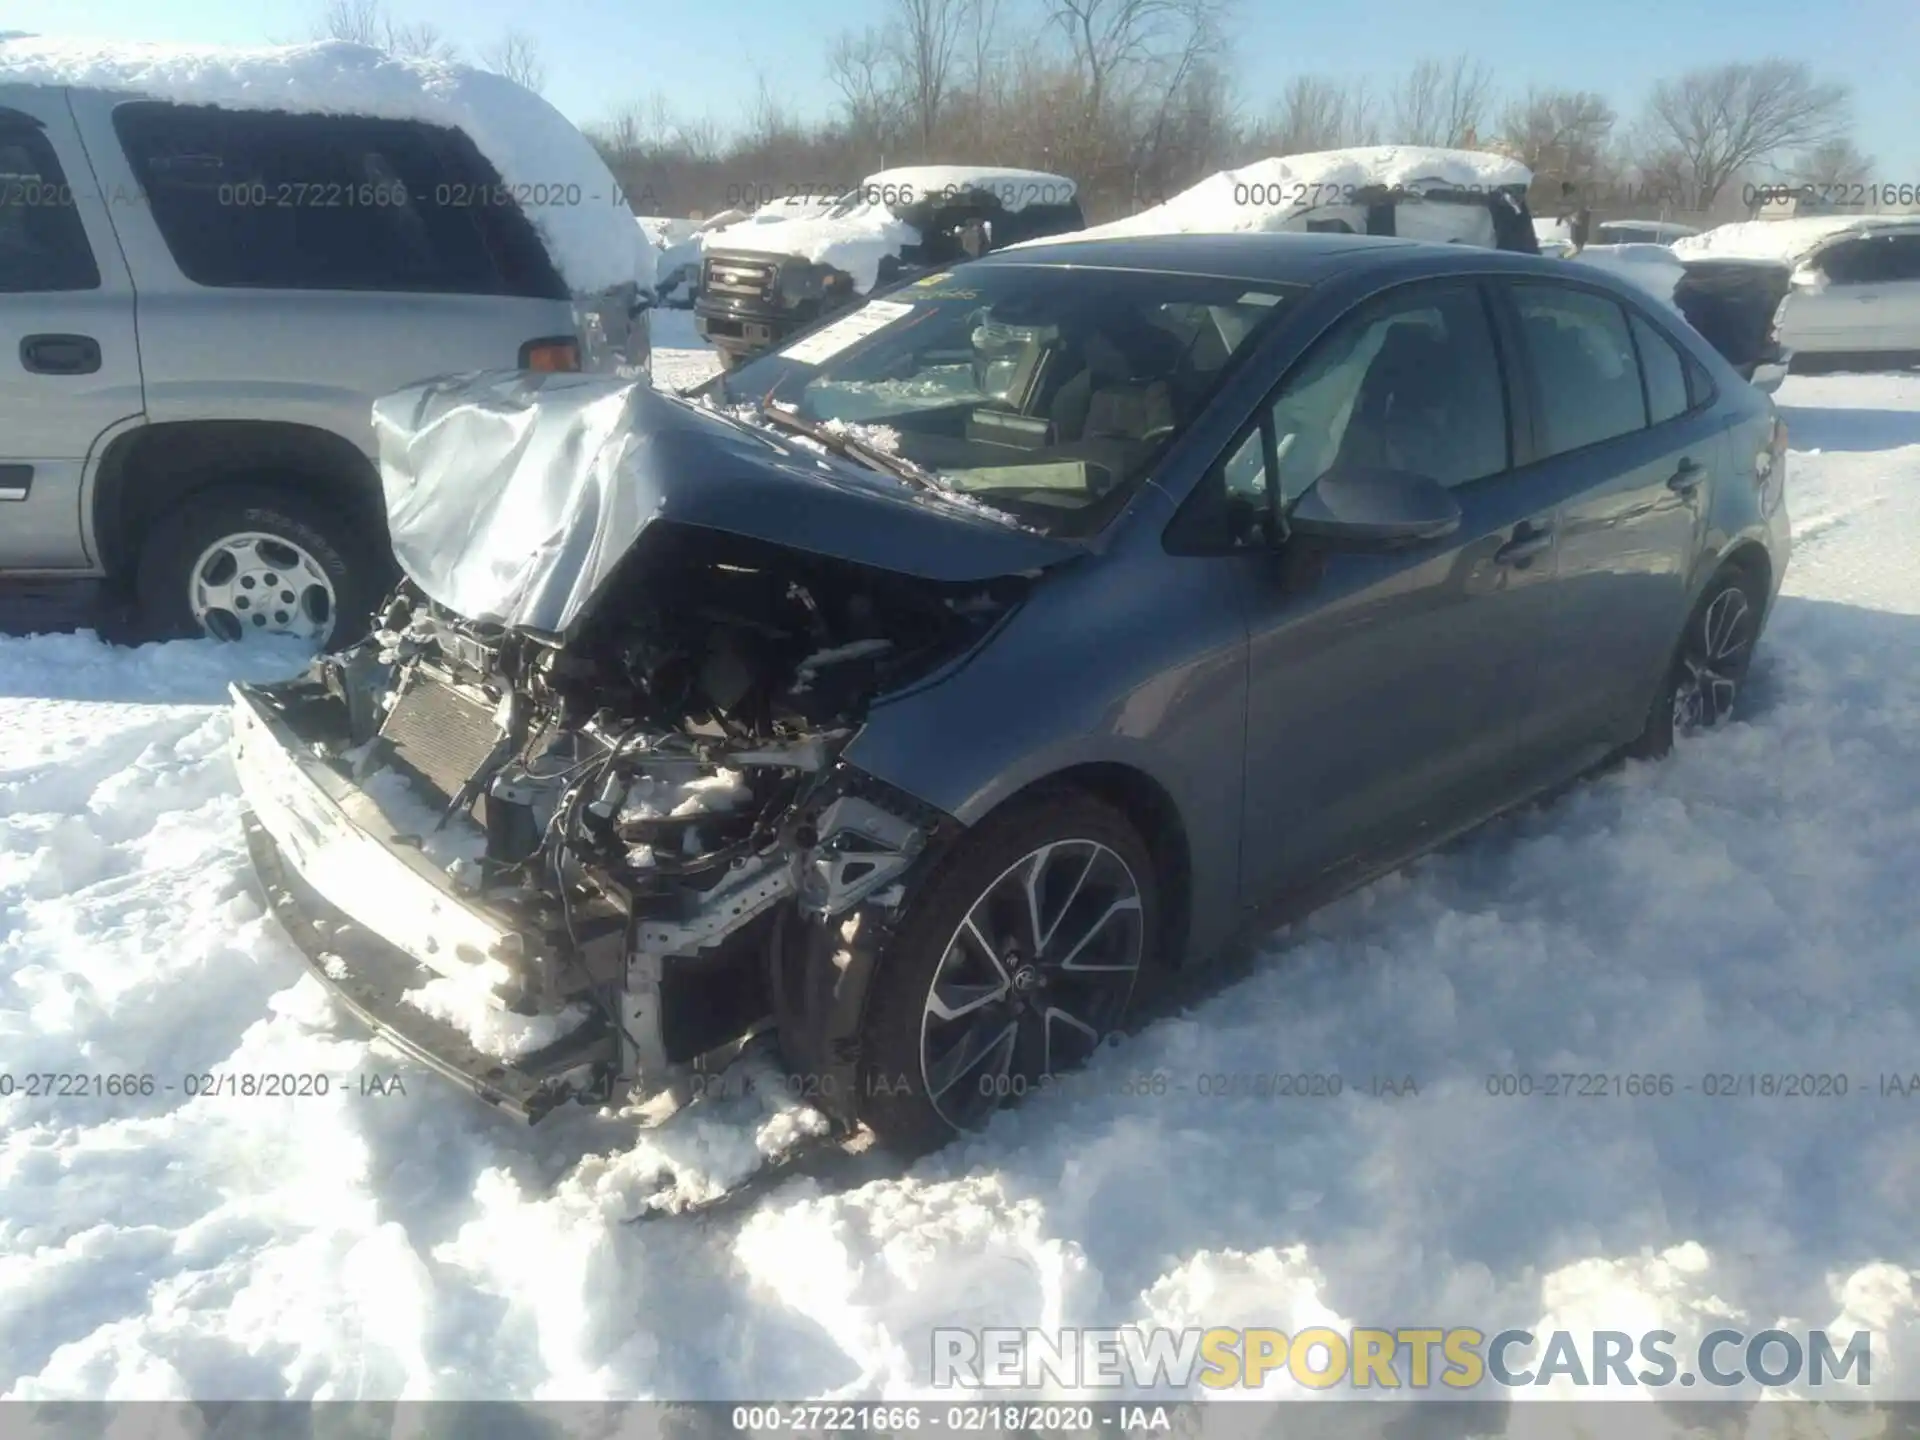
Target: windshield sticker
(847, 331)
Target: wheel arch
(1150, 808)
(148, 472)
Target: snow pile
(1654, 268)
(1014, 189)
(1782, 241)
(536, 149)
(854, 241)
(1285, 192)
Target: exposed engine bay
(646, 801)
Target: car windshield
(1045, 391)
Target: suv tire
(257, 559)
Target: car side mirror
(1807, 278)
(1361, 508)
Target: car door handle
(1687, 478)
(1527, 542)
(60, 354)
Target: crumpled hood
(511, 497)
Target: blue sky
(708, 58)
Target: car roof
(1285, 257)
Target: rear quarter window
(323, 202)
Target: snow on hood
(1278, 194)
(1785, 242)
(856, 241)
(536, 149)
(1654, 268)
(1014, 189)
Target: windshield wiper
(843, 444)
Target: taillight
(550, 356)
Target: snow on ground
(1746, 907)
(552, 169)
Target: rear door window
(43, 245)
(328, 202)
(1585, 372)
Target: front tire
(237, 562)
(1709, 665)
(1015, 960)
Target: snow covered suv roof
(1279, 193)
(551, 169)
(1014, 189)
(1784, 241)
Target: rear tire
(1709, 665)
(240, 561)
(977, 1002)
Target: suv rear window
(327, 202)
(43, 245)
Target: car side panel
(1136, 660)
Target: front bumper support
(370, 976)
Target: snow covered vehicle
(683, 242)
(215, 259)
(770, 277)
(1835, 291)
(1467, 197)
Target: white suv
(201, 296)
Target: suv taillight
(550, 356)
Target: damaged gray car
(911, 695)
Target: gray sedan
(916, 690)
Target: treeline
(1138, 99)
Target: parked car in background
(957, 668)
(1640, 232)
(212, 261)
(771, 276)
(684, 242)
(1468, 197)
(1846, 288)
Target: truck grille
(738, 277)
(440, 733)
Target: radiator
(440, 733)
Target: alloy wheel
(1713, 662)
(1034, 977)
(253, 583)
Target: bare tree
(1113, 40)
(1560, 135)
(925, 38)
(1317, 113)
(861, 66)
(1443, 102)
(369, 22)
(1710, 126)
(517, 57)
(1833, 165)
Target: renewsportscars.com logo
(1142, 1358)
